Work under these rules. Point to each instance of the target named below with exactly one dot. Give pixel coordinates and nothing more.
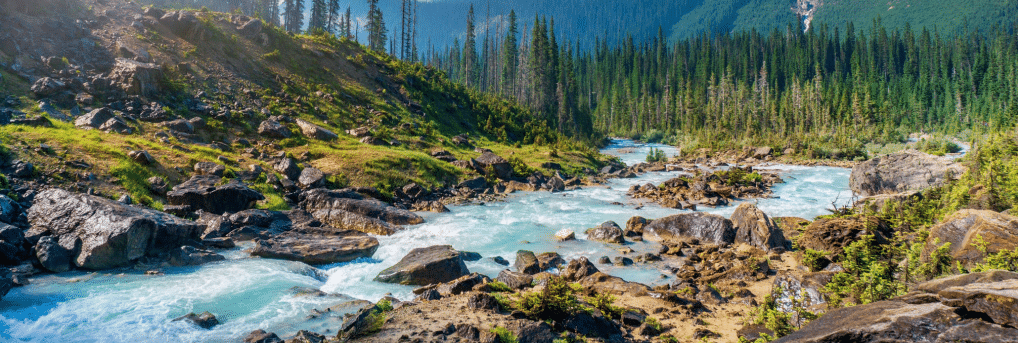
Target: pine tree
(319, 16)
(376, 27)
(294, 15)
(470, 50)
(348, 24)
(333, 21)
(510, 53)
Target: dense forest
(826, 87)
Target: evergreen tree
(510, 54)
(376, 27)
(332, 24)
(470, 50)
(319, 15)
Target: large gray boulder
(202, 192)
(94, 119)
(137, 78)
(707, 228)
(110, 233)
(322, 199)
(316, 248)
(273, 129)
(964, 230)
(311, 130)
(754, 227)
(608, 232)
(497, 164)
(425, 266)
(906, 171)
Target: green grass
(504, 335)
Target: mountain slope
(204, 89)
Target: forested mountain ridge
(442, 22)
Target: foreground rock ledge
(906, 171)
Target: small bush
(504, 335)
(499, 286)
(556, 302)
(815, 260)
(606, 304)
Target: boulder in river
(707, 228)
(424, 266)
(754, 227)
(111, 234)
(205, 320)
(527, 263)
(190, 256)
(906, 171)
(608, 232)
(202, 192)
(322, 199)
(316, 249)
(965, 228)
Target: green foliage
(656, 155)
(378, 316)
(938, 147)
(504, 335)
(605, 303)
(768, 315)
(1001, 260)
(134, 178)
(520, 168)
(815, 260)
(869, 275)
(555, 302)
(499, 286)
(653, 322)
(273, 56)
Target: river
(248, 293)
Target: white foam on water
(251, 293)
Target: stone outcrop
(424, 266)
(202, 192)
(707, 228)
(349, 210)
(907, 171)
(311, 130)
(527, 263)
(321, 248)
(714, 189)
(978, 307)
(273, 129)
(964, 230)
(756, 228)
(106, 233)
(136, 78)
(497, 164)
(834, 234)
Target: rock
(359, 132)
(707, 228)
(755, 228)
(478, 183)
(47, 86)
(423, 266)
(157, 185)
(550, 260)
(311, 178)
(499, 260)
(877, 203)
(497, 164)
(526, 262)
(136, 78)
(118, 125)
(897, 321)
(273, 129)
(834, 234)
(179, 125)
(907, 171)
(607, 232)
(804, 288)
(347, 220)
(565, 235)
(515, 280)
(209, 168)
(94, 119)
(260, 336)
(462, 284)
(936, 285)
(7, 282)
(369, 140)
(125, 199)
(252, 28)
(289, 168)
(142, 157)
(218, 242)
(578, 269)
(111, 234)
(311, 130)
(593, 324)
(470, 256)
(762, 152)
(963, 228)
(205, 320)
(201, 193)
(9, 209)
(304, 336)
(321, 199)
(635, 225)
(430, 206)
(316, 249)
(52, 256)
(23, 170)
(191, 256)
(482, 301)
(996, 300)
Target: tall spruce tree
(319, 15)
(470, 50)
(510, 53)
(376, 27)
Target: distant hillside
(948, 17)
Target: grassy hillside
(333, 83)
(948, 17)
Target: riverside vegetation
(148, 138)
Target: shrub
(556, 302)
(499, 286)
(606, 304)
(815, 260)
(504, 335)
